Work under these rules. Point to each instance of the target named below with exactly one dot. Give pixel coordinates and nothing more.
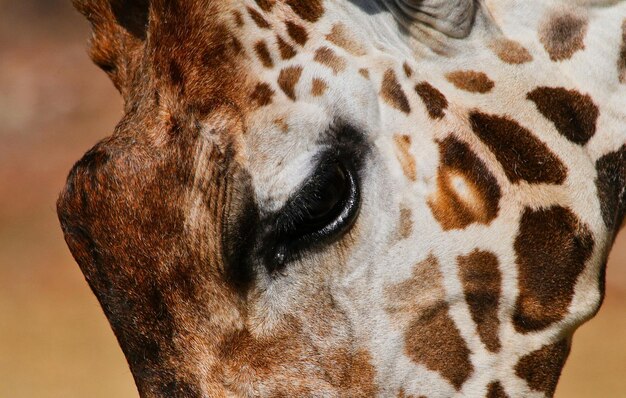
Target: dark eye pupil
(325, 203)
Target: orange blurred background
(54, 340)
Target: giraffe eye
(321, 211)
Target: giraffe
(352, 198)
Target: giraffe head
(352, 198)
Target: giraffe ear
(119, 34)
(453, 18)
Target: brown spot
(262, 94)
(287, 80)
(472, 81)
(542, 368)
(621, 61)
(481, 280)
(286, 50)
(403, 145)
(392, 92)
(309, 10)
(467, 192)
(365, 73)
(264, 54)
(510, 51)
(434, 100)
(521, 154)
(318, 87)
(340, 38)
(238, 18)
(431, 338)
(563, 34)
(258, 18)
(551, 249)
(362, 375)
(406, 222)
(297, 33)
(327, 57)
(574, 115)
(407, 70)
(282, 124)
(611, 186)
(266, 5)
(495, 390)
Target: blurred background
(54, 340)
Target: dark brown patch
(238, 18)
(454, 209)
(339, 37)
(472, 81)
(542, 368)
(403, 146)
(258, 18)
(436, 103)
(495, 390)
(563, 34)
(392, 92)
(264, 54)
(286, 50)
(266, 5)
(408, 72)
(611, 186)
(287, 80)
(433, 340)
(309, 10)
(510, 51)
(431, 336)
(522, 156)
(318, 87)
(573, 114)
(621, 61)
(365, 73)
(481, 280)
(327, 57)
(297, 33)
(551, 249)
(262, 94)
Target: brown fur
(264, 54)
(472, 81)
(318, 87)
(542, 368)
(450, 208)
(310, 10)
(481, 280)
(339, 37)
(521, 154)
(407, 161)
(327, 57)
(297, 33)
(392, 92)
(431, 336)
(258, 19)
(287, 80)
(573, 114)
(495, 390)
(286, 50)
(563, 34)
(436, 103)
(510, 51)
(552, 248)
